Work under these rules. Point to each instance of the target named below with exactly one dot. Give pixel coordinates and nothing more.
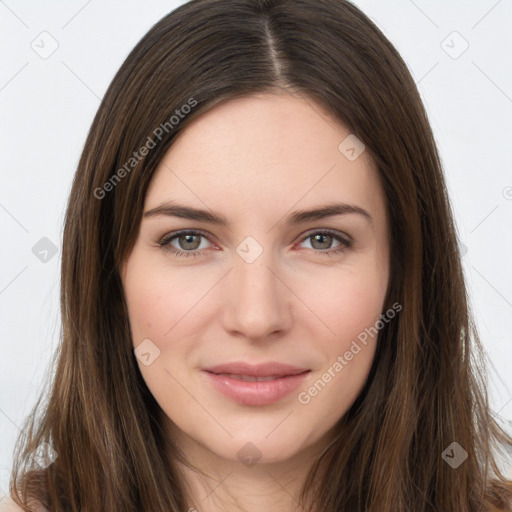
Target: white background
(47, 106)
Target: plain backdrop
(458, 52)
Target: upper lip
(270, 369)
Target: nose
(257, 301)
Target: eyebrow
(296, 217)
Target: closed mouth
(252, 378)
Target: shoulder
(7, 504)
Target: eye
(190, 244)
(187, 242)
(321, 242)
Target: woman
(262, 298)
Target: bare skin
(254, 161)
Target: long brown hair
(427, 386)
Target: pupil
(187, 239)
(319, 238)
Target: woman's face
(230, 269)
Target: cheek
(160, 307)
(347, 360)
(159, 301)
(349, 308)
(346, 306)
(166, 307)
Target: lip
(286, 379)
(257, 370)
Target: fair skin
(7, 504)
(255, 161)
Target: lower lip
(255, 393)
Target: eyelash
(164, 243)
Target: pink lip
(287, 379)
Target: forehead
(266, 149)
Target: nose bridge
(257, 301)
